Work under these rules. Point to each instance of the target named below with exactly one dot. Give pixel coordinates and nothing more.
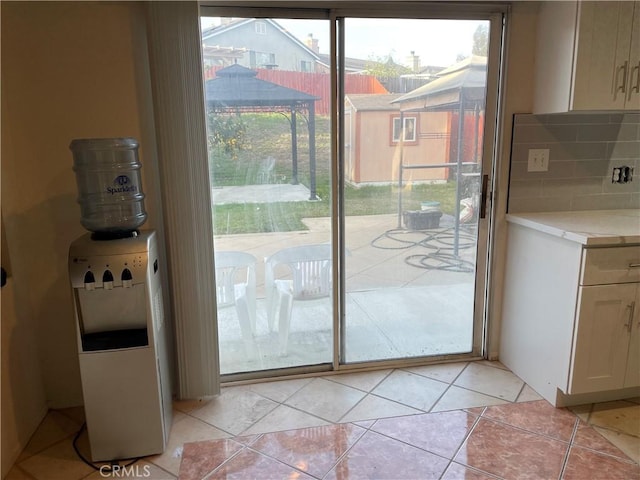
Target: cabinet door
(632, 378)
(633, 91)
(602, 57)
(601, 338)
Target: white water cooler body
(122, 345)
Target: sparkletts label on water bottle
(122, 184)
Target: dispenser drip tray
(114, 235)
(115, 339)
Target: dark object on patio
(421, 219)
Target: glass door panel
(413, 169)
(268, 107)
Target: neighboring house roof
(427, 72)
(350, 64)
(211, 33)
(467, 79)
(357, 65)
(368, 102)
(237, 86)
(431, 70)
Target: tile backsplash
(583, 150)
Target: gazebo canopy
(236, 89)
(237, 86)
(463, 82)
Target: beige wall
(69, 70)
(23, 398)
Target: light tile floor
(459, 420)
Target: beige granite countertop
(590, 228)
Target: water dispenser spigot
(127, 278)
(107, 280)
(89, 281)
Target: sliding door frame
(335, 13)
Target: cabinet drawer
(610, 265)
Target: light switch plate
(538, 160)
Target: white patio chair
(236, 286)
(309, 267)
(265, 173)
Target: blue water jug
(109, 185)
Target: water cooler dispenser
(117, 291)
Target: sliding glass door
(349, 159)
(413, 187)
(268, 122)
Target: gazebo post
(294, 147)
(312, 151)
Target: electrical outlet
(538, 160)
(622, 174)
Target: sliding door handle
(483, 196)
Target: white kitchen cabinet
(587, 57)
(603, 357)
(571, 309)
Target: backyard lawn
(237, 157)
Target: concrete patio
(393, 309)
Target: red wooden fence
(316, 84)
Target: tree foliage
(227, 133)
(384, 67)
(481, 40)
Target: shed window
(404, 128)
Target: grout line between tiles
(440, 397)
(27, 474)
(48, 445)
(475, 470)
(449, 387)
(524, 385)
(354, 406)
(209, 474)
(625, 459)
(530, 432)
(568, 452)
(464, 440)
(613, 430)
(330, 378)
(413, 446)
(364, 431)
(243, 433)
(591, 407)
(231, 434)
(344, 454)
(263, 454)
